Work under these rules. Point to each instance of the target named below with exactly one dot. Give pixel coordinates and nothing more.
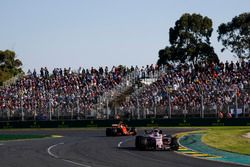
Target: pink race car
(155, 140)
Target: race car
(155, 140)
(120, 129)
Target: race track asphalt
(90, 148)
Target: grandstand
(170, 91)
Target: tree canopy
(9, 65)
(189, 40)
(235, 35)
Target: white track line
(49, 150)
(76, 163)
(123, 141)
(119, 144)
(66, 160)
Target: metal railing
(78, 112)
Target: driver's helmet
(122, 124)
(156, 132)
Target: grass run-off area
(228, 138)
(20, 136)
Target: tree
(9, 65)
(190, 40)
(236, 35)
(165, 55)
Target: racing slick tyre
(174, 145)
(138, 141)
(108, 131)
(141, 142)
(151, 144)
(111, 131)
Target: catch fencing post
(202, 105)
(169, 101)
(185, 110)
(236, 103)
(138, 109)
(50, 106)
(22, 108)
(107, 108)
(78, 108)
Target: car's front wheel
(141, 142)
(174, 145)
(133, 131)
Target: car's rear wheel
(108, 131)
(111, 131)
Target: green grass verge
(228, 138)
(20, 136)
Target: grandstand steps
(120, 98)
(148, 81)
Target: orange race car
(120, 129)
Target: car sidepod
(133, 131)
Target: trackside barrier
(134, 123)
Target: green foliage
(190, 41)
(165, 55)
(9, 65)
(236, 35)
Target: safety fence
(77, 111)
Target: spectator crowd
(64, 91)
(178, 88)
(215, 89)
